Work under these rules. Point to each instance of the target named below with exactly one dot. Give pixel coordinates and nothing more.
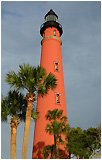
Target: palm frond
(49, 82)
(4, 110)
(13, 104)
(49, 129)
(34, 115)
(14, 80)
(54, 114)
(64, 118)
(28, 77)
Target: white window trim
(57, 70)
(58, 93)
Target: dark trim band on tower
(51, 24)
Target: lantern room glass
(51, 18)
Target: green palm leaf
(13, 104)
(58, 126)
(53, 115)
(49, 82)
(30, 78)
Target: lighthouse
(51, 60)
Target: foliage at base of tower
(35, 80)
(84, 144)
(76, 142)
(15, 106)
(94, 140)
(57, 127)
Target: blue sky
(81, 53)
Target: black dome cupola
(51, 16)
(51, 20)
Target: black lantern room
(51, 20)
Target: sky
(81, 56)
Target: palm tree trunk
(14, 124)
(57, 147)
(13, 142)
(54, 146)
(27, 127)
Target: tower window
(56, 66)
(57, 98)
(54, 32)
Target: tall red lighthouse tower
(51, 60)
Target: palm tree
(34, 80)
(57, 127)
(15, 106)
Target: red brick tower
(51, 60)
